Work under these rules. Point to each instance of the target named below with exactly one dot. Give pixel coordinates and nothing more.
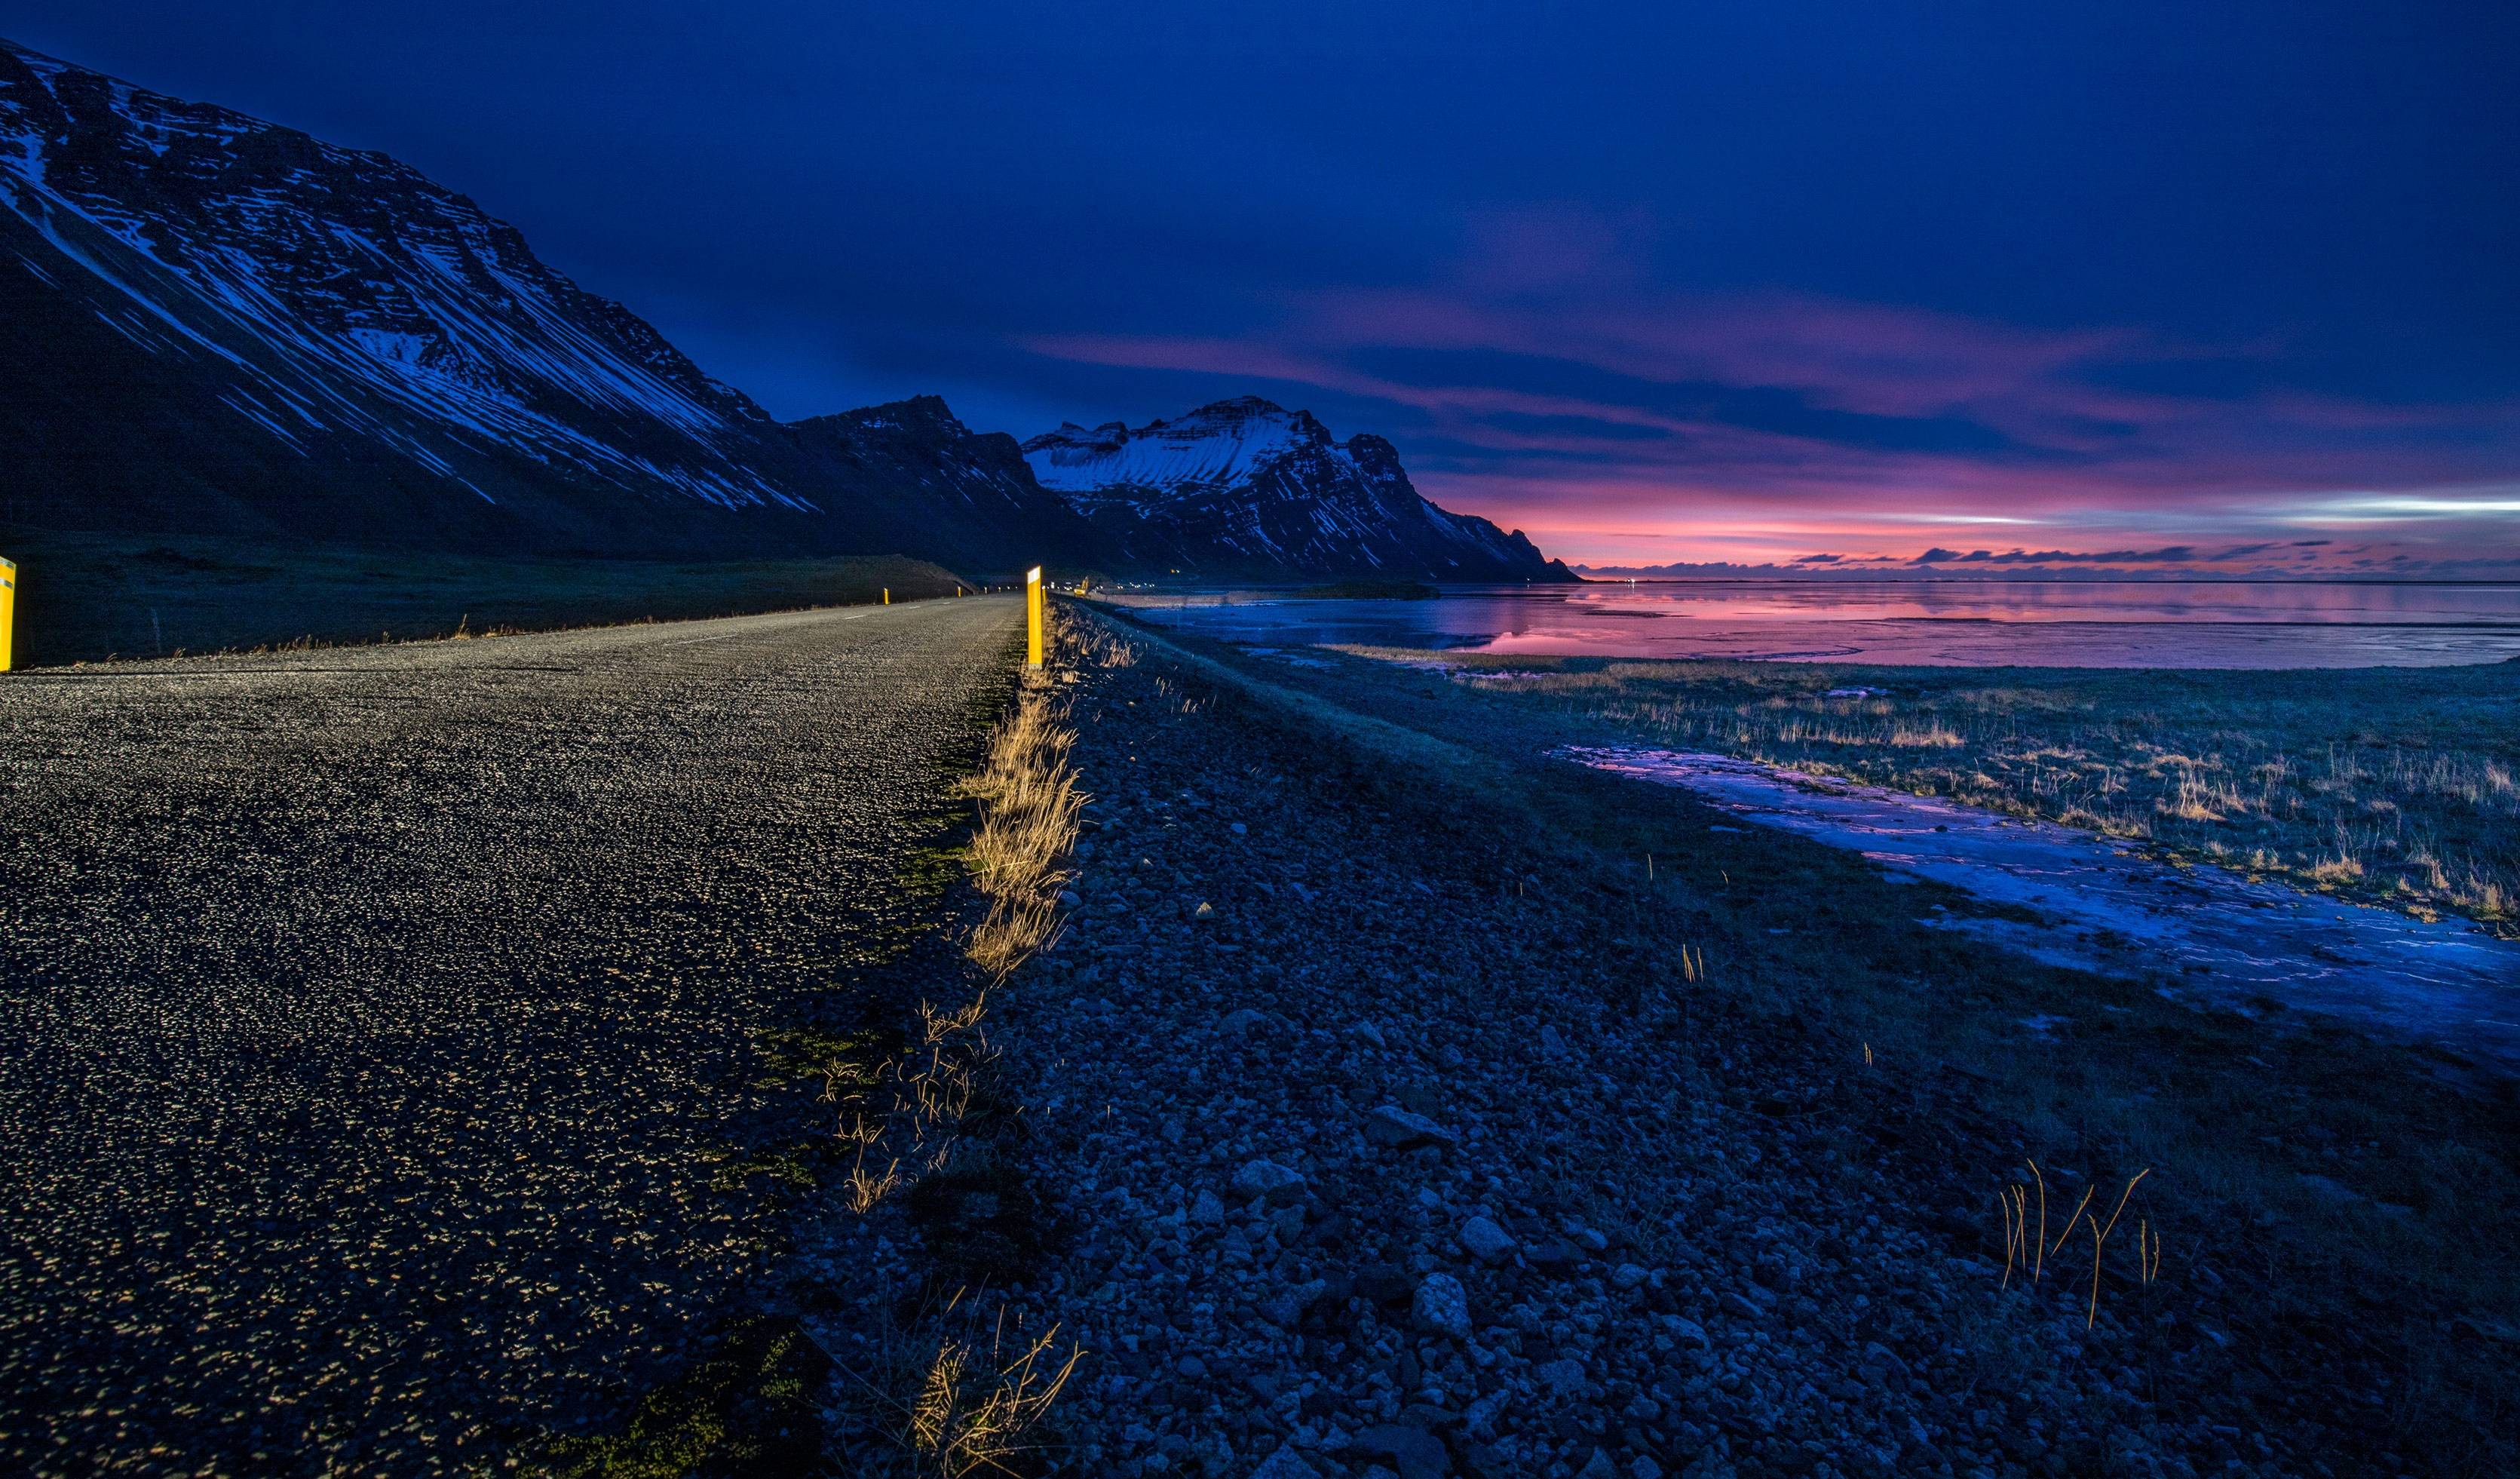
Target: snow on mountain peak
(1216, 445)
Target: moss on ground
(747, 1409)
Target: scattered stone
(1598, 1466)
(1209, 1210)
(1266, 1181)
(1485, 1241)
(1442, 1306)
(1627, 1276)
(1395, 1128)
(1561, 1375)
(1413, 1452)
(1550, 1042)
(1241, 1020)
(1288, 1463)
(1553, 1255)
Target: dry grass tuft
(976, 1408)
(1029, 811)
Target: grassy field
(2395, 785)
(83, 597)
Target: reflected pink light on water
(1959, 623)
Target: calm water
(1958, 623)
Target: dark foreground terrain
(384, 1026)
(1397, 1102)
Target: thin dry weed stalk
(2026, 1250)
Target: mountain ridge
(1243, 487)
(215, 324)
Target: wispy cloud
(1544, 383)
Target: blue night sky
(1742, 282)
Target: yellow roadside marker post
(8, 609)
(887, 595)
(1032, 618)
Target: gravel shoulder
(1387, 1112)
(387, 1027)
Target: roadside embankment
(1389, 1101)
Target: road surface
(369, 1017)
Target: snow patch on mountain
(352, 287)
(1214, 446)
(1246, 488)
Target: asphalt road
(369, 1017)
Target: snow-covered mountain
(1244, 488)
(210, 322)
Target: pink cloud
(2078, 454)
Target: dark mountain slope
(215, 324)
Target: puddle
(2217, 936)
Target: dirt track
(372, 1017)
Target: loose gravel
(383, 1024)
(1358, 1168)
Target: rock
(1562, 1376)
(1238, 828)
(1481, 1421)
(1627, 1276)
(1191, 1367)
(1204, 910)
(1371, 1033)
(1266, 1180)
(1241, 1020)
(1208, 1209)
(1645, 1468)
(1485, 1241)
(1286, 1311)
(1553, 1255)
(1287, 1462)
(1598, 1466)
(1442, 1306)
(1550, 1042)
(1395, 1128)
(1415, 1453)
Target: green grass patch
(747, 1409)
(84, 597)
